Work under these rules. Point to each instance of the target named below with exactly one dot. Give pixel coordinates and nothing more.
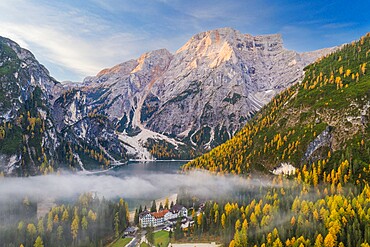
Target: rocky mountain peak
(201, 94)
(39, 75)
(268, 40)
(218, 37)
(162, 105)
(153, 62)
(206, 39)
(212, 47)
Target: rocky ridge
(197, 98)
(26, 95)
(159, 106)
(33, 137)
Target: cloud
(79, 38)
(338, 25)
(76, 40)
(55, 46)
(144, 186)
(52, 40)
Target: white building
(179, 211)
(147, 219)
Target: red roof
(159, 214)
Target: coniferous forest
(89, 221)
(318, 129)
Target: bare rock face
(199, 96)
(117, 94)
(27, 92)
(220, 78)
(121, 86)
(44, 125)
(161, 105)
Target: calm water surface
(143, 169)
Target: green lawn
(121, 242)
(161, 238)
(143, 244)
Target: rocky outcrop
(324, 139)
(202, 94)
(161, 105)
(26, 96)
(44, 125)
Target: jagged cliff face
(34, 138)
(27, 93)
(321, 122)
(117, 92)
(198, 97)
(161, 105)
(20, 74)
(220, 78)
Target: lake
(142, 170)
(139, 168)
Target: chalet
(179, 211)
(146, 219)
(162, 217)
(159, 217)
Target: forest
(310, 208)
(310, 126)
(90, 221)
(332, 98)
(320, 126)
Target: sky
(79, 38)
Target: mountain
(316, 125)
(165, 105)
(33, 140)
(159, 106)
(27, 93)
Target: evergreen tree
(136, 217)
(154, 207)
(40, 227)
(116, 224)
(38, 242)
(150, 235)
(178, 234)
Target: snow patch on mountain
(199, 96)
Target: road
(133, 243)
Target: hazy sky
(77, 38)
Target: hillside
(159, 106)
(324, 120)
(27, 137)
(33, 139)
(319, 129)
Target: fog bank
(199, 183)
